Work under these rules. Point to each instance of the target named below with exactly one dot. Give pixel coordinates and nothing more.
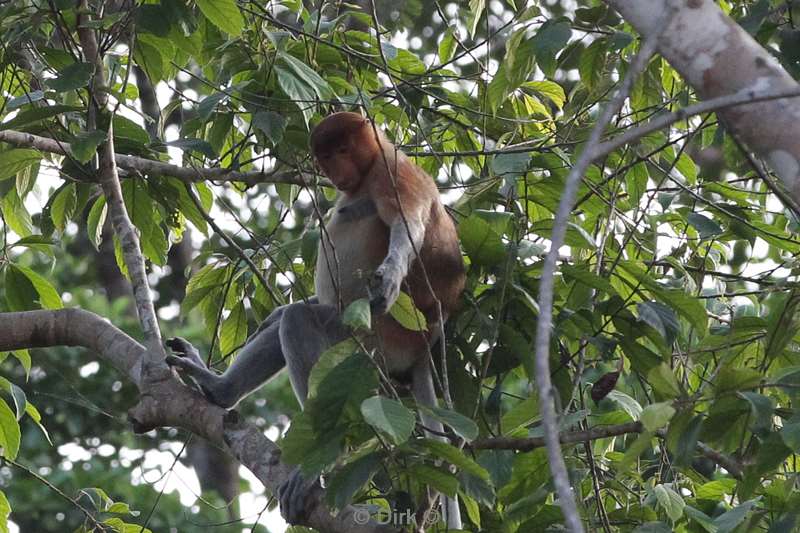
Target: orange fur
(360, 161)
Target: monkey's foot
(183, 348)
(293, 496)
(188, 361)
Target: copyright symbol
(361, 516)
(432, 518)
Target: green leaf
(464, 427)
(9, 432)
(628, 404)
(633, 452)
(35, 115)
(272, 124)
(653, 527)
(329, 360)
(670, 501)
(224, 14)
(389, 416)
(5, 512)
(706, 227)
(715, 490)
(33, 413)
(350, 478)
(455, 457)
(550, 38)
(762, 409)
(24, 358)
(15, 160)
(72, 77)
(447, 46)
(233, 332)
(591, 64)
(85, 144)
(521, 414)
(729, 520)
(657, 415)
(20, 295)
(357, 314)
(476, 8)
(790, 433)
(682, 435)
(512, 164)
(194, 145)
(20, 400)
(48, 296)
(205, 281)
(482, 244)
(308, 75)
(444, 482)
(548, 89)
(685, 305)
(663, 381)
(296, 90)
(62, 208)
(95, 221)
(661, 318)
(407, 314)
(15, 214)
(144, 214)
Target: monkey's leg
(424, 393)
(259, 360)
(305, 332)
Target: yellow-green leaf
(224, 14)
(407, 314)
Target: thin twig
(566, 498)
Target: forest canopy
(155, 181)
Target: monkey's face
(340, 167)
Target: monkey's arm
(406, 235)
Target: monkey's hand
(384, 287)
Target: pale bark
(166, 402)
(151, 167)
(717, 57)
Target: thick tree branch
(165, 401)
(142, 165)
(603, 432)
(717, 57)
(72, 327)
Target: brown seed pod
(604, 385)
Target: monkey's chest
(349, 252)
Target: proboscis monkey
(389, 232)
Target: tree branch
(566, 499)
(602, 432)
(109, 181)
(718, 57)
(159, 168)
(165, 401)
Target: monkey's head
(345, 147)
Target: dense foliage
(676, 299)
